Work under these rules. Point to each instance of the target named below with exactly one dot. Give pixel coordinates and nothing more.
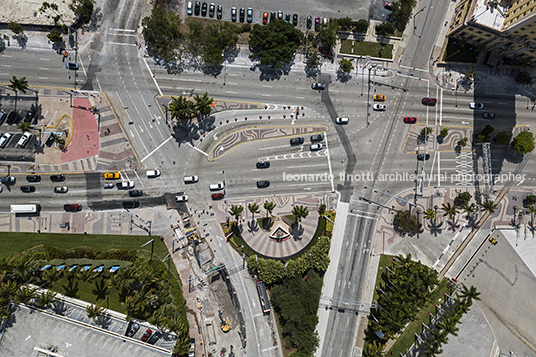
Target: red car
(146, 335)
(429, 101)
(410, 120)
(264, 18)
(388, 6)
(72, 207)
(217, 196)
(317, 23)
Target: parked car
(249, 15)
(341, 120)
(132, 328)
(379, 97)
(189, 8)
(125, 184)
(72, 66)
(287, 18)
(197, 8)
(318, 86)
(280, 15)
(135, 193)
(27, 188)
(410, 120)
(155, 337)
(5, 139)
(211, 10)
(204, 9)
(429, 101)
(73, 207)
(423, 157)
(131, 204)
(61, 189)
(263, 184)
(219, 12)
(146, 335)
(108, 185)
(233, 14)
(216, 186)
(379, 107)
(217, 196)
(191, 179)
(181, 198)
(57, 178)
(316, 147)
(309, 22)
(242, 14)
(111, 175)
(488, 115)
(295, 19)
(317, 23)
(264, 18)
(317, 137)
(388, 6)
(50, 140)
(263, 164)
(24, 139)
(33, 178)
(297, 141)
(272, 16)
(3, 116)
(12, 117)
(8, 179)
(475, 105)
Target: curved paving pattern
(263, 133)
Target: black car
(272, 16)
(211, 10)
(287, 18)
(233, 14)
(204, 9)
(197, 8)
(12, 117)
(57, 178)
(135, 193)
(131, 204)
(295, 19)
(317, 137)
(33, 178)
(318, 86)
(72, 66)
(423, 157)
(263, 184)
(297, 141)
(242, 14)
(488, 115)
(309, 22)
(219, 12)
(132, 329)
(29, 115)
(263, 164)
(50, 140)
(152, 340)
(27, 188)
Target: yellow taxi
(111, 175)
(492, 240)
(379, 97)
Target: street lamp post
(225, 69)
(225, 193)
(414, 16)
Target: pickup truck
(125, 184)
(72, 207)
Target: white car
(153, 173)
(379, 107)
(217, 186)
(24, 139)
(191, 179)
(341, 120)
(125, 184)
(61, 189)
(4, 140)
(474, 105)
(189, 8)
(316, 147)
(182, 198)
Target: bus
(32, 208)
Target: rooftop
(490, 13)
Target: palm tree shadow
(454, 225)
(59, 307)
(297, 231)
(104, 321)
(436, 228)
(253, 226)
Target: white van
(191, 179)
(216, 186)
(152, 173)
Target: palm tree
(322, 210)
(236, 210)
(430, 214)
(94, 311)
(16, 85)
(269, 207)
(469, 209)
(489, 206)
(25, 126)
(45, 299)
(174, 323)
(203, 104)
(375, 349)
(25, 294)
(300, 212)
(449, 209)
(448, 325)
(181, 108)
(469, 294)
(158, 318)
(58, 140)
(253, 208)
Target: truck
(31, 208)
(263, 296)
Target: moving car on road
(379, 107)
(57, 178)
(316, 147)
(429, 101)
(131, 204)
(410, 120)
(72, 207)
(191, 179)
(318, 86)
(125, 184)
(27, 188)
(297, 141)
(111, 175)
(33, 178)
(343, 120)
(475, 105)
(135, 193)
(263, 164)
(488, 115)
(263, 184)
(379, 97)
(61, 189)
(216, 186)
(423, 157)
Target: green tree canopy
(406, 222)
(15, 27)
(181, 108)
(524, 78)
(312, 61)
(162, 31)
(345, 23)
(203, 103)
(55, 36)
(345, 66)
(274, 43)
(82, 8)
(385, 29)
(523, 142)
(328, 37)
(401, 13)
(361, 26)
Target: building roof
(490, 14)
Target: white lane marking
(152, 75)
(329, 164)
(202, 152)
(156, 148)
(189, 80)
(300, 166)
(44, 59)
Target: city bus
(31, 208)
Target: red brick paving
(85, 141)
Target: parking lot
(33, 330)
(13, 146)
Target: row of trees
(298, 211)
(182, 108)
